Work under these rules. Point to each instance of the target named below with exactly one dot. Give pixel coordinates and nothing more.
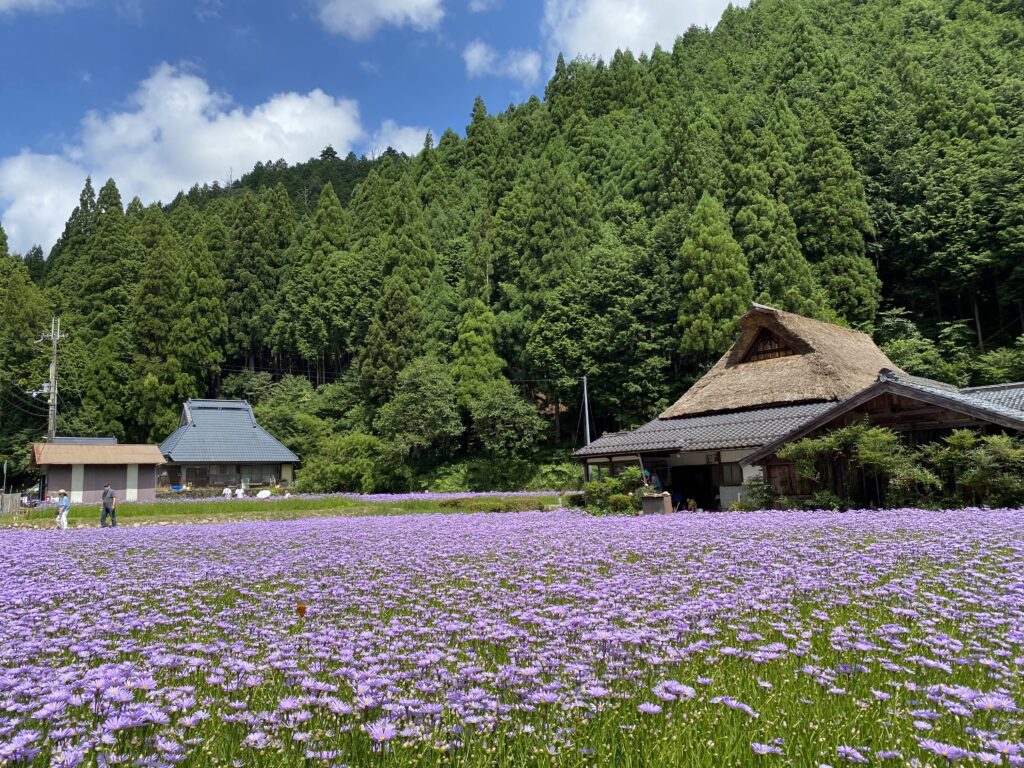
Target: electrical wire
(37, 414)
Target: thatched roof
(827, 363)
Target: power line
(13, 404)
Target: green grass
(276, 509)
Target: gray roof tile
(1007, 395)
(742, 429)
(223, 431)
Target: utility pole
(53, 336)
(586, 414)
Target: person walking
(109, 507)
(63, 505)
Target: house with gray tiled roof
(218, 443)
(784, 378)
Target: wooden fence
(10, 504)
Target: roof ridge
(995, 387)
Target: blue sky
(161, 93)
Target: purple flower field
(548, 639)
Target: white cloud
(175, 132)
(404, 138)
(359, 19)
(483, 60)
(12, 6)
(41, 191)
(481, 6)
(587, 27)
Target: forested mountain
(861, 160)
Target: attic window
(767, 346)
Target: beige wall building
(82, 466)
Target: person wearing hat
(63, 505)
(109, 507)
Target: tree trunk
(977, 319)
(558, 420)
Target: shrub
(491, 505)
(757, 493)
(614, 495)
(507, 425)
(622, 504)
(357, 463)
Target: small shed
(83, 465)
(218, 443)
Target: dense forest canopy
(854, 160)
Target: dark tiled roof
(1000, 405)
(1008, 395)
(987, 399)
(742, 429)
(223, 431)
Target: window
(728, 474)
(767, 346)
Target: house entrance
(695, 482)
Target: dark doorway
(696, 482)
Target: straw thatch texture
(830, 363)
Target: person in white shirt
(226, 493)
(63, 505)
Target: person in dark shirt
(109, 507)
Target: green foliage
(716, 286)
(506, 424)
(247, 385)
(614, 495)
(945, 359)
(979, 469)
(864, 155)
(394, 339)
(354, 462)
(475, 364)
(422, 419)
(758, 493)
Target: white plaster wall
(77, 483)
(131, 491)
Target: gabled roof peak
(823, 362)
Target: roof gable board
(912, 388)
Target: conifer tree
(186, 219)
(36, 264)
(781, 276)
(475, 364)
(105, 278)
(440, 312)
(832, 221)
(309, 306)
(71, 246)
(394, 338)
(156, 312)
(199, 332)
(782, 150)
(715, 283)
(406, 245)
(249, 282)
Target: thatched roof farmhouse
(786, 377)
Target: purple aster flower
(995, 702)
(649, 708)
(380, 731)
(765, 749)
(850, 754)
(949, 751)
